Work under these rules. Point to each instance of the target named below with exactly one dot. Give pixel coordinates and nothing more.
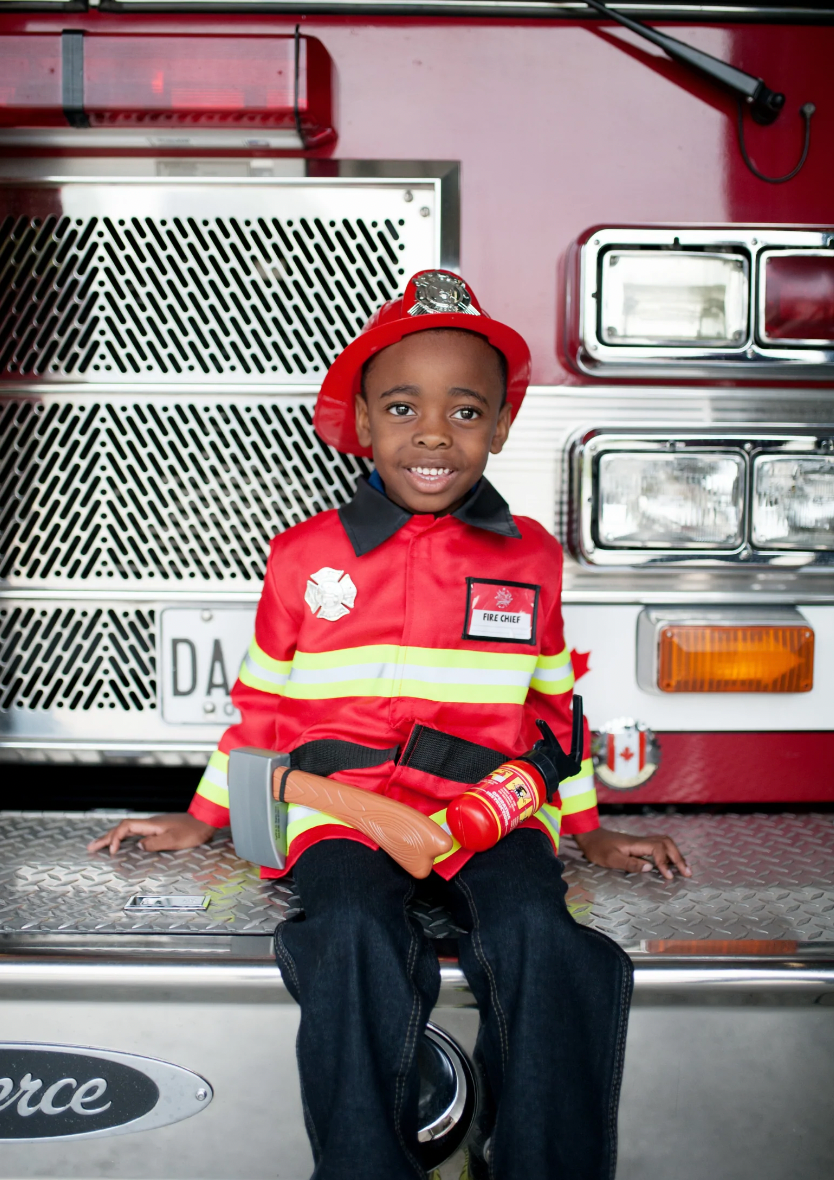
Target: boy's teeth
(432, 470)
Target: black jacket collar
(370, 518)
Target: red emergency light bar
(157, 82)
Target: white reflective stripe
(262, 673)
(577, 786)
(543, 815)
(419, 672)
(213, 774)
(298, 811)
(553, 673)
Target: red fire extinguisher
(480, 817)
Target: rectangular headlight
(793, 502)
(670, 501)
(673, 298)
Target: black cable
(806, 111)
(296, 111)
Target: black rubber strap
(428, 750)
(454, 758)
(72, 78)
(287, 771)
(327, 756)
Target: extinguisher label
(502, 611)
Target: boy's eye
(399, 410)
(467, 413)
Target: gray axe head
(259, 823)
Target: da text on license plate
(200, 652)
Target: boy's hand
(161, 833)
(632, 854)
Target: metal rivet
(208, 706)
(201, 1095)
(425, 211)
(206, 616)
(408, 195)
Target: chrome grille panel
(158, 490)
(260, 281)
(71, 658)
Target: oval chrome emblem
(626, 754)
(64, 1092)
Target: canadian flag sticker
(502, 611)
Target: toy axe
(261, 784)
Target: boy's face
(433, 415)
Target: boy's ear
(363, 424)
(502, 429)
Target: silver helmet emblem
(438, 293)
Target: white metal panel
(610, 689)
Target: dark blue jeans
(553, 999)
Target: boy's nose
(433, 433)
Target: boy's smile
(433, 412)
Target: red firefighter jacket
(373, 621)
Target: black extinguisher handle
(549, 757)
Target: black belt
(428, 750)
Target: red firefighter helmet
(432, 299)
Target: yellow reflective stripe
(303, 819)
(439, 818)
(586, 770)
(262, 672)
(551, 816)
(548, 662)
(552, 685)
(427, 657)
(553, 674)
(214, 783)
(454, 693)
(578, 793)
(583, 802)
(432, 674)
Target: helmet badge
(439, 293)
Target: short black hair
(502, 362)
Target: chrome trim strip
(687, 982)
(535, 9)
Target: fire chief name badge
(501, 611)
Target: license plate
(200, 653)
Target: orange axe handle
(409, 837)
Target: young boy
(399, 644)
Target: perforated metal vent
(259, 281)
(162, 491)
(75, 659)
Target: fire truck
(201, 203)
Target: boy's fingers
(636, 864)
(164, 841)
(661, 859)
(128, 827)
(677, 857)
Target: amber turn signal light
(735, 659)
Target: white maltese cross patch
(330, 594)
